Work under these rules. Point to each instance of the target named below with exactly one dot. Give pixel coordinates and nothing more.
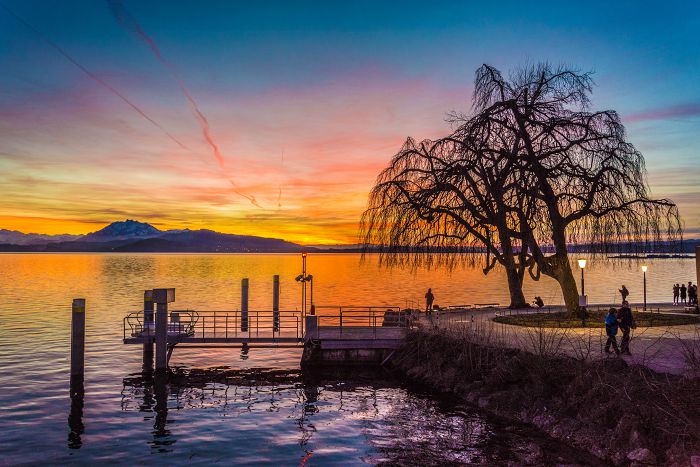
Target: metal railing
(343, 318)
(221, 324)
(180, 322)
(265, 324)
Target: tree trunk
(567, 282)
(515, 286)
(515, 282)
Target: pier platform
(333, 335)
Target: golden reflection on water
(331, 421)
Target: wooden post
(148, 322)
(162, 297)
(148, 307)
(244, 305)
(77, 339)
(275, 303)
(311, 328)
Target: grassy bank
(594, 319)
(619, 413)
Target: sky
(275, 118)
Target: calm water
(234, 407)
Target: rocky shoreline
(622, 414)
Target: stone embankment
(622, 413)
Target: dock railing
(190, 325)
(220, 324)
(344, 318)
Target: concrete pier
(148, 322)
(162, 297)
(244, 305)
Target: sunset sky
(299, 106)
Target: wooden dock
(332, 335)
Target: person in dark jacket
(692, 297)
(429, 297)
(611, 331)
(626, 322)
(624, 293)
(676, 293)
(683, 293)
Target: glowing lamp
(582, 263)
(645, 268)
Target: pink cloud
(676, 111)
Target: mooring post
(244, 305)
(77, 340)
(310, 328)
(162, 297)
(275, 303)
(148, 322)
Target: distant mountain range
(134, 236)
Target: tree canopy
(530, 172)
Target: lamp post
(644, 271)
(303, 278)
(582, 265)
(303, 275)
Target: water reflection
(361, 418)
(76, 428)
(162, 439)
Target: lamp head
(645, 268)
(299, 278)
(582, 263)
(303, 254)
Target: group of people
(619, 319)
(683, 294)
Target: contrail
(92, 76)
(250, 198)
(128, 22)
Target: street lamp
(582, 300)
(303, 278)
(644, 270)
(582, 265)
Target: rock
(530, 454)
(543, 421)
(642, 456)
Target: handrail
(266, 324)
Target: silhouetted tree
(530, 172)
(439, 199)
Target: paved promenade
(666, 349)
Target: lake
(244, 407)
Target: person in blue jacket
(611, 330)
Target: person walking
(611, 331)
(676, 293)
(429, 298)
(624, 292)
(683, 293)
(626, 322)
